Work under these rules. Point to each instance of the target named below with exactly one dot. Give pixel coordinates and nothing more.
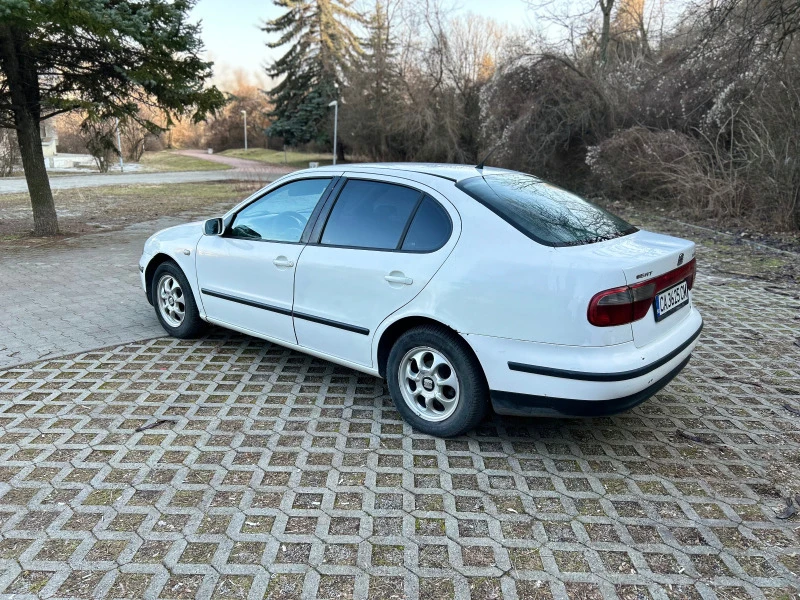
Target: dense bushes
(543, 113)
(733, 156)
(708, 123)
(666, 167)
(702, 115)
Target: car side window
(370, 214)
(430, 229)
(282, 214)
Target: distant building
(49, 138)
(10, 150)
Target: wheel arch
(391, 333)
(155, 262)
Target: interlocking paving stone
(83, 293)
(278, 475)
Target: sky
(233, 40)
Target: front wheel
(174, 303)
(436, 382)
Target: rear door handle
(402, 279)
(282, 261)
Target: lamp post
(244, 112)
(335, 105)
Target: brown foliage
(668, 168)
(706, 121)
(9, 152)
(226, 129)
(544, 111)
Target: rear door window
(544, 212)
(430, 228)
(370, 214)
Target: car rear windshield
(543, 212)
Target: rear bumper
(527, 378)
(529, 405)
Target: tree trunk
(605, 35)
(339, 151)
(22, 80)
(45, 221)
(643, 34)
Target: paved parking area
(273, 474)
(82, 294)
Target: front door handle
(398, 277)
(282, 261)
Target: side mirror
(213, 227)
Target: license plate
(671, 300)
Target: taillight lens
(630, 303)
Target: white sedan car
(464, 287)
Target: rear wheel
(174, 302)
(436, 382)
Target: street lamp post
(244, 112)
(335, 105)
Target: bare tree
(605, 35)
(9, 152)
(99, 136)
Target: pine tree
(99, 56)
(322, 45)
(382, 67)
(373, 95)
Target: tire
(448, 404)
(170, 298)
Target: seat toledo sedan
(465, 288)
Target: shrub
(100, 138)
(544, 113)
(669, 167)
(9, 152)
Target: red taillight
(630, 303)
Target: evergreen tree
(371, 124)
(322, 45)
(100, 56)
(381, 81)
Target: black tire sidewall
(473, 400)
(192, 323)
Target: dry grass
(291, 158)
(90, 210)
(171, 161)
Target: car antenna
(485, 158)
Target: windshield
(543, 212)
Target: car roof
(447, 171)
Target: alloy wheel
(171, 302)
(429, 383)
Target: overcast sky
(233, 39)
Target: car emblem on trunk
(680, 259)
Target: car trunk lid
(644, 257)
